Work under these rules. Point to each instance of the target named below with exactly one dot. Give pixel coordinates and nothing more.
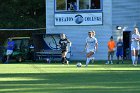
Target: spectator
(32, 50)
(72, 6)
(93, 6)
(10, 47)
(119, 52)
(111, 48)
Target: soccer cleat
(111, 62)
(6, 62)
(134, 64)
(67, 62)
(107, 62)
(62, 62)
(117, 62)
(92, 60)
(86, 65)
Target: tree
(22, 13)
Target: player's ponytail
(93, 31)
(137, 30)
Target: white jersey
(91, 42)
(134, 42)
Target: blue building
(107, 17)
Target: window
(72, 5)
(78, 5)
(84, 4)
(60, 5)
(95, 4)
(17, 43)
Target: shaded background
(21, 14)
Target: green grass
(58, 78)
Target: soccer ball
(79, 64)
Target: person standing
(119, 52)
(32, 50)
(10, 47)
(111, 49)
(64, 48)
(72, 6)
(90, 46)
(135, 38)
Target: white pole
(46, 16)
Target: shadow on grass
(113, 82)
(58, 62)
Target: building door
(127, 44)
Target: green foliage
(22, 13)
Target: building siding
(78, 34)
(125, 13)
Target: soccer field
(58, 78)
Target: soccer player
(135, 38)
(111, 48)
(91, 46)
(10, 47)
(119, 52)
(64, 48)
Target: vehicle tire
(33, 60)
(3, 59)
(19, 59)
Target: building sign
(79, 19)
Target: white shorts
(90, 50)
(9, 52)
(135, 47)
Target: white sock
(92, 58)
(107, 62)
(133, 59)
(87, 61)
(136, 59)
